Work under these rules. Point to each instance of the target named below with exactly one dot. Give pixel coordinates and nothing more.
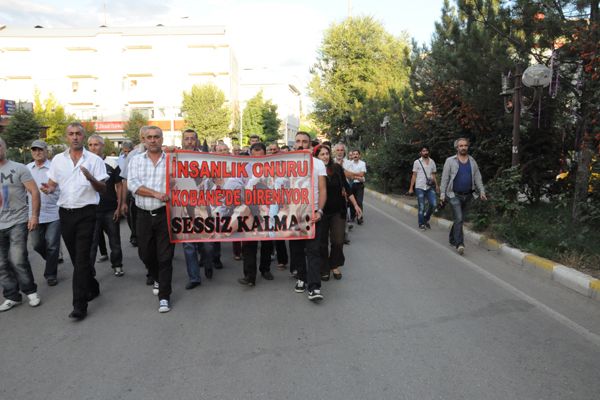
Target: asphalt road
(409, 320)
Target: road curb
(568, 277)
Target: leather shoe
(191, 285)
(52, 281)
(245, 281)
(218, 264)
(325, 277)
(208, 272)
(267, 275)
(78, 315)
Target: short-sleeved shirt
(355, 167)
(75, 190)
(48, 202)
(430, 168)
(143, 172)
(13, 195)
(318, 170)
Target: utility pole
(516, 132)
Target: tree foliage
(260, 118)
(51, 114)
(133, 125)
(205, 111)
(361, 75)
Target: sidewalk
(569, 277)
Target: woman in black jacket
(333, 222)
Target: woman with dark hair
(334, 215)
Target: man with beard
(423, 182)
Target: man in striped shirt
(147, 181)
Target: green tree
(50, 113)
(22, 129)
(271, 123)
(361, 75)
(253, 118)
(133, 125)
(205, 111)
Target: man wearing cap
(45, 240)
(15, 270)
(80, 175)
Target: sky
(282, 35)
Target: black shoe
(191, 285)
(208, 272)
(267, 275)
(346, 241)
(61, 260)
(427, 225)
(52, 281)
(149, 281)
(245, 281)
(217, 264)
(325, 277)
(78, 315)
(359, 221)
(422, 227)
(133, 242)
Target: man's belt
(154, 212)
(464, 193)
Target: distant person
(356, 170)
(80, 175)
(45, 240)
(424, 183)
(15, 271)
(461, 181)
(253, 139)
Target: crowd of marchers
(80, 196)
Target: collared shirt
(429, 167)
(139, 149)
(48, 206)
(75, 190)
(356, 167)
(143, 172)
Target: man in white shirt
(45, 240)
(355, 170)
(80, 175)
(305, 256)
(424, 183)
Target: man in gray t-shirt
(15, 270)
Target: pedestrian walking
(424, 183)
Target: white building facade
(102, 74)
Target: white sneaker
(155, 288)
(164, 306)
(119, 271)
(8, 304)
(34, 299)
(315, 295)
(461, 249)
(300, 286)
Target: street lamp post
(383, 127)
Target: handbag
(428, 181)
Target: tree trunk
(582, 180)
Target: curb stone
(568, 277)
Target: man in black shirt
(107, 213)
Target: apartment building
(102, 74)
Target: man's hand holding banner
(216, 197)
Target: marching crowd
(81, 195)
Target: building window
(74, 86)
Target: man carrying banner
(305, 257)
(147, 181)
(250, 248)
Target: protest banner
(221, 197)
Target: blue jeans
(459, 204)
(45, 240)
(423, 195)
(105, 223)
(15, 270)
(190, 251)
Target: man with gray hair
(461, 182)
(15, 270)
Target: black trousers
(281, 249)
(131, 215)
(249, 252)
(332, 233)
(155, 249)
(305, 257)
(77, 229)
(358, 189)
